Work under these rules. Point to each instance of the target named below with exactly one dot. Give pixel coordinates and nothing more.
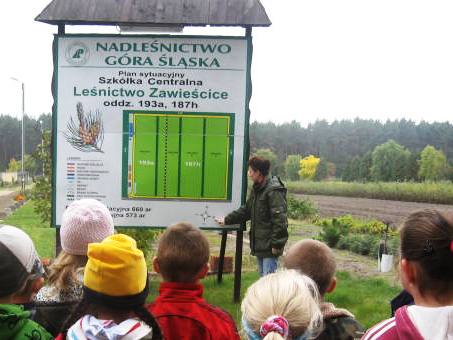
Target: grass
(42, 235)
(367, 298)
(436, 192)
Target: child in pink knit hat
(84, 221)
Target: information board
(151, 125)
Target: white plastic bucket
(386, 263)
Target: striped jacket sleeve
(383, 330)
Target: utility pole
(22, 173)
(41, 124)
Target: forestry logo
(77, 54)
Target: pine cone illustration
(88, 134)
(80, 115)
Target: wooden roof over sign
(155, 13)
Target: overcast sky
(320, 59)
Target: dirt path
(6, 200)
(388, 211)
(6, 192)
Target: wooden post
(57, 242)
(61, 29)
(240, 231)
(221, 256)
(238, 263)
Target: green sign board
(177, 155)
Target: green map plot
(177, 155)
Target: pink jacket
(400, 327)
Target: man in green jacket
(266, 209)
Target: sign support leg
(221, 256)
(57, 241)
(238, 264)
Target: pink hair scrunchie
(275, 323)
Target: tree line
(340, 145)
(344, 143)
(10, 137)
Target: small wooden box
(227, 264)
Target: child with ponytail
(84, 221)
(426, 270)
(282, 305)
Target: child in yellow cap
(115, 287)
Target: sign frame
(245, 112)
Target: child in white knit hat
(84, 221)
(21, 277)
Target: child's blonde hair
(66, 270)
(286, 294)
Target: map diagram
(183, 155)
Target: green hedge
(360, 226)
(300, 209)
(361, 237)
(436, 192)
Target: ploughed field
(393, 212)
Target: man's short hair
(314, 259)
(260, 164)
(182, 252)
